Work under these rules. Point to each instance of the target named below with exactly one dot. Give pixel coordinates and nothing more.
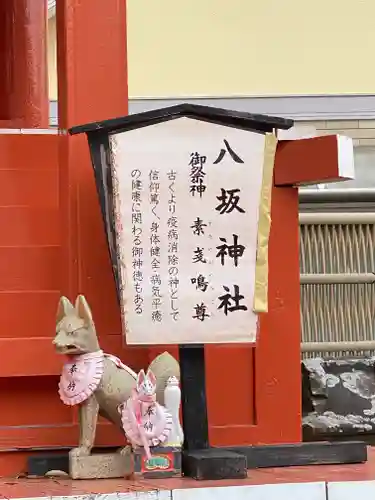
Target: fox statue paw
(81, 451)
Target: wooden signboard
(188, 201)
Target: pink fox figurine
(146, 423)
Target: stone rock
(100, 466)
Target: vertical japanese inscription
(229, 203)
(198, 229)
(155, 253)
(186, 205)
(173, 246)
(197, 174)
(137, 248)
(200, 281)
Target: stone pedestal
(165, 462)
(100, 466)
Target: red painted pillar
(23, 56)
(92, 85)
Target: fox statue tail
(163, 367)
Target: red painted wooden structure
(52, 242)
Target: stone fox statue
(99, 383)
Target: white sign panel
(187, 197)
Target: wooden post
(92, 85)
(194, 399)
(23, 56)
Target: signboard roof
(219, 116)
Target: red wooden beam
(55, 436)
(310, 161)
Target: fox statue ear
(64, 308)
(83, 310)
(151, 377)
(140, 378)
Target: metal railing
(337, 261)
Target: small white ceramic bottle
(172, 401)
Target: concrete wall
(361, 131)
(246, 48)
